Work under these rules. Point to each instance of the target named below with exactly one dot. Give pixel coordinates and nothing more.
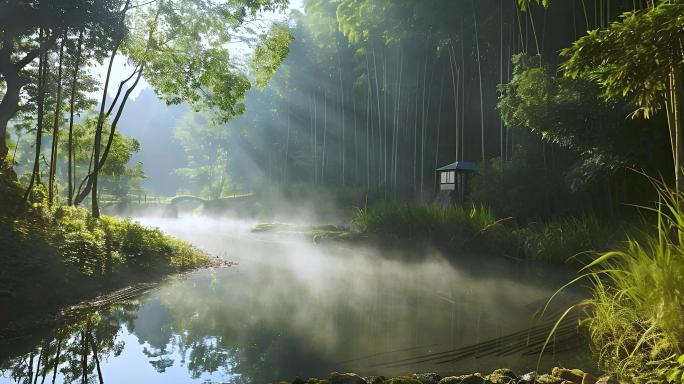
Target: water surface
(290, 308)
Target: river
(290, 308)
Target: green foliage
(632, 58)
(524, 5)
(636, 321)
(270, 53)
(571, 113)
(183, 45)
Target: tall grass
(473, 228)
(563, 239)
(637, 318)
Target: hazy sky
(121, 70)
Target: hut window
(447, 177)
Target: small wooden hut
(452, 180)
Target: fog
(335, 307)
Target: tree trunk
(98, 138)
(454, 74)
(54, 371)
(368, 123)
(55, 125)
(377, 100)
(42, 74)
(8, 108)
(501, 126)
(97, 359)
(479, 73)
(287, 140)
(341, 81)
(10, 71)
(72, 100)
(84, 356)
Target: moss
(574, 375)
(549, 379)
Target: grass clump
(637, 321)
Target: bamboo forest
(342, 191)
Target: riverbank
(500, 376)
(53, 257)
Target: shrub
(100, 246)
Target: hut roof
(465, 166)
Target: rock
(573, 375)
(549, 379)
(374, 379)
(475, 378)
(588, 378)
(428, 378)
(606, 380)
(316, 381)
(502, 376)
(403, 380)
(528, 378)
(298, 381)
(346, 378)
(505, 372)
(450, 380)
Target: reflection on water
(290, 309)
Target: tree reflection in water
(78, 352)
(74, 351)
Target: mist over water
(293, 308)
